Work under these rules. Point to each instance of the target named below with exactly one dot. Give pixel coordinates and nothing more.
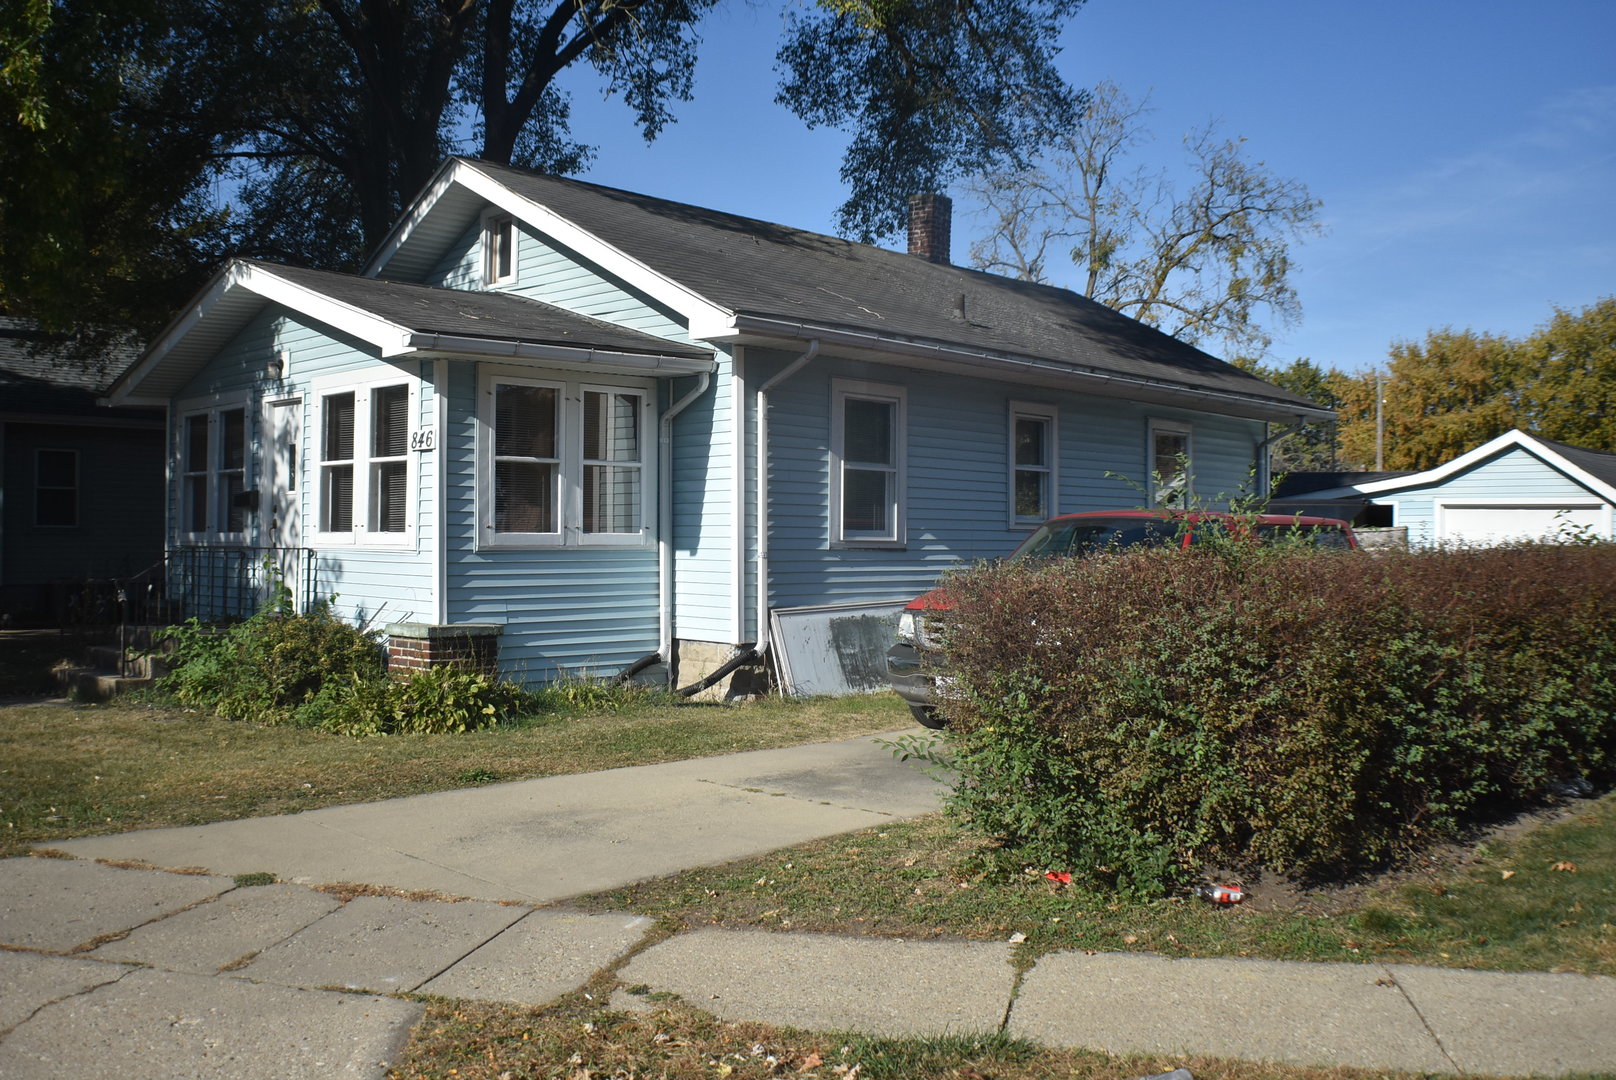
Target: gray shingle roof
(1597, 463)
(495, 316)
(43, 374)
(761, 269)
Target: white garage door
(1495, 524)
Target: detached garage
(1516, 487)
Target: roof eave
(614, 360)
(1027, 369)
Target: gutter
(665, 518)
(563, 354)
(976, 358)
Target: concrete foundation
(695, 660)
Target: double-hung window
(1032, 454)
(867, 463)
(213, 473)
(1171, 475)
(564, 463)
(56, 488)
(365, 475)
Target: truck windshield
(1085, 536)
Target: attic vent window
(499, 249)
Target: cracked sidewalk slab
(62, 904)
(1261, 1010)
(35, 980)
(1517, 1023)
(156, 1025)
(826, 982)
(222, 931)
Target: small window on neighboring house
(56, 488)
(499, 249)
(1033, 480)
(213, 473)
(1171, 473)
(612, 461)
(336, 463)
(868, 467)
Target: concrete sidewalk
(130, 974)
(547, 839)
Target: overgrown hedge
(1138, 716)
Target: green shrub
(267, 667)
(434, 701)
(1136, 716)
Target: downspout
(665, 529)
(1264, 476)
(761, 648)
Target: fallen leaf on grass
(1017, 938)
(1506, 874)
(1565, 867)
(812, 1061)
(1059, 877)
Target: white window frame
(1049, 416)
(364, 529)
(500, 226)
(1187, 432)
(40, 486)
(213, 472)
(843, 391)
(571, 463)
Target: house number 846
(421, 440)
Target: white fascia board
(121, 390)
(999, 365)
(696, 308)
(388, 336)
(1515, 439)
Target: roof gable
(1593, 469)
(732, 276)
(396, 318)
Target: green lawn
(1544, 901)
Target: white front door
(282, 507)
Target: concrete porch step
(89, 683)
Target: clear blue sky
(1465, 152)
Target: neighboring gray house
(612, 426)
(1516, 487)
(80, 484)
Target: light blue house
(610, 428)
(1514, 487)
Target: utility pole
(1380, 423)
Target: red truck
(912, 662)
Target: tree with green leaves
(330, 115)
(1457, 389)
(1206, 260)
(1312, 447)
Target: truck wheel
(928, 716)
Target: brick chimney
(931, 218)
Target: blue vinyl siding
(563, 609)
(1514, 474)
(957, 474)
(557, 276)
(373, 585)
(703, 485)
